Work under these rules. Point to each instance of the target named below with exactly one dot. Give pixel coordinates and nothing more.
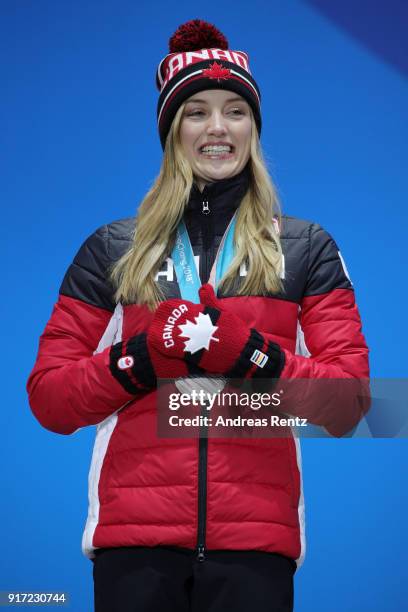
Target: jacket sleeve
(70, 387)
(334, 348)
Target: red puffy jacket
(234, 494)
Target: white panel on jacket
(104, 430)
(301, 349)
(343, 263)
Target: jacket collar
(223, 196)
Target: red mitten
(136, 366)
(208, 297)
(216, 341)
(166, 347)
(130, 364)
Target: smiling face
(215, 134)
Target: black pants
(169, 579)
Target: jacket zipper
(202, 487)
(206, 222)
(203, 439)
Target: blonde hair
(257, 244)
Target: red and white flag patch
(124, 363)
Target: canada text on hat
(174, 62)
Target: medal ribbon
(185, 266)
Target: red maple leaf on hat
(216, 71)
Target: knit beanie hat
(199, 59)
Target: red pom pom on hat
(197, 34)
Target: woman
(186, 523)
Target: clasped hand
(187, 339)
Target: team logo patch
(125, 362)
(199, 334)
(259, 358)
(217, 71)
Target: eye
(236, 111)
(195, 113)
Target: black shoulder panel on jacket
(87, 278)
(312, 262)
(292, 227)
(326, 269)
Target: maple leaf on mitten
(199, 334)
(165, 346)
(213, 339)
(175, 319)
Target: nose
(216, 124)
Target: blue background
(79, 148)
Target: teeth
(216, 149)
